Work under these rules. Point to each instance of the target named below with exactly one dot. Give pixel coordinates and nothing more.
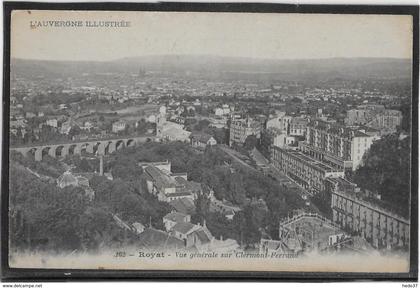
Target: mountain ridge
(212, 65)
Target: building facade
(387, 122)
(166, 185)
(362, 114)
(202, 140)
(307, 172)
(379, 226)
(375, 116)
(119, 126)
(274, 137)
(240, 129)
(336, 145)
(298, 126)
(277, 121)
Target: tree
(201, 125)
(75, 130)
(221, 135)
(97, 180)
(236, 189)
(245, 223)
(84, 165)
(202, 208)
(129, 171)
(221, 227)
(250, 142)
(386, 170)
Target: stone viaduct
(99, 147)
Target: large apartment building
(166, 185)
(298, 126)
(363, 114)
(240, 129)
(271, 137)
(292, 126)
(353, 212)
(307, 172)
(375, 116)
(337, 145)
(386, 122)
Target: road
(232, 153)
(282, 178)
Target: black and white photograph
(210, 141)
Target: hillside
(225, 67)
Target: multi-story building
(52, 122)
(276, 121)
(119, 126)
(375, 116)
(274, 137)
(267, 141)
(298, 126)
(305, 232)
(202, 140)
(362, 114)
(336, 145)
(293, 126)
(307, 172)
(221, 111)
(166, 185)
(354, 212)
(387, 121)
(240, 129)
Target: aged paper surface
(210, 141)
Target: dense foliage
(231, 183)
(44, 216)
(47, 217)
(386, 170)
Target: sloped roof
(179, 194)
(67, 179)
(183, 205)
(202, 236)
(201, 137)
(153, 239)
(183, 227)
(161, 179)
(187, 186)
(138, 225)
(175, 216)
(298, 120)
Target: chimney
(101, 165)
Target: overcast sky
(280, 36)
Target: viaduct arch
(100, 147)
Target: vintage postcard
(210, 141)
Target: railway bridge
(100, 147)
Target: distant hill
(227, 67)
